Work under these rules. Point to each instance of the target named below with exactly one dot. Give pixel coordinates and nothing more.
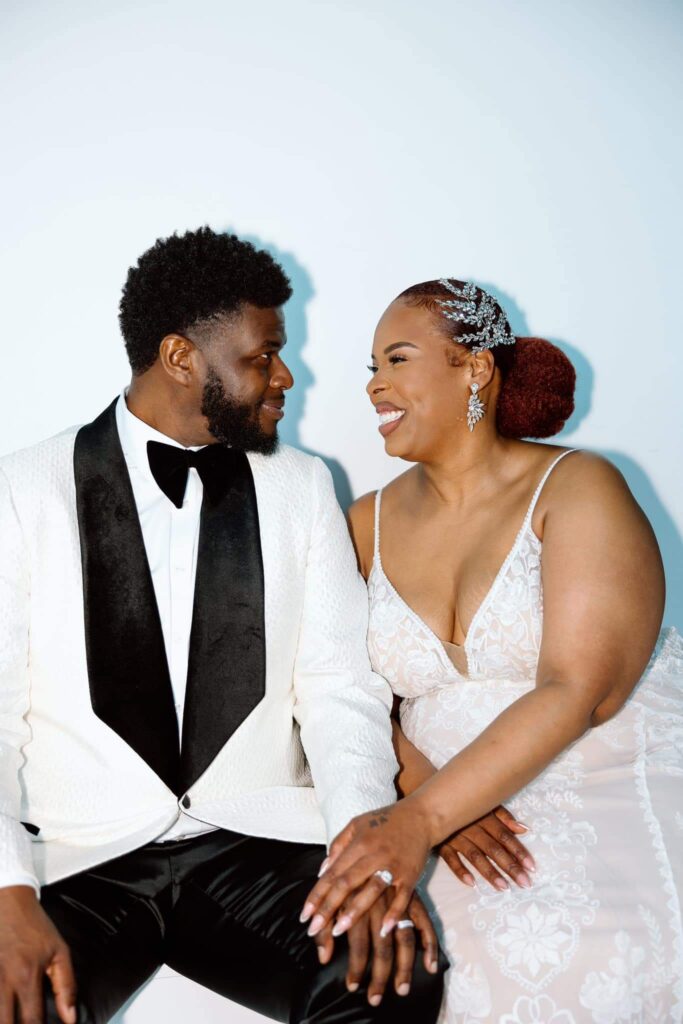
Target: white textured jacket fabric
(90, 794)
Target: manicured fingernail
(316, 924)
(527, 828)
(374, 1000)
(324, 866)
(403, 989)
(342, 925)
(71, 1015)
(523, 880)
(323, 954)
(386, 928)
(468, 879)
(529, 863)
(306, 912)
(500, 884)
(352, 986)
(433, 966)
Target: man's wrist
(19, 884)
(20, 893)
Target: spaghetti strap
(378, 505)
(541, 485)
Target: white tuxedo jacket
(79, 631)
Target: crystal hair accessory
(475, 307)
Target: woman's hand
(392, 839)
(488, 844)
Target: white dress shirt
(171, 538)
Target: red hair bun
(537, 394)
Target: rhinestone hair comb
(473, 306)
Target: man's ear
(178, 356)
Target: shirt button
(186, 802)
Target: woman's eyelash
(392, 359)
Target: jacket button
(186, 802)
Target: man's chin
(244, 428)
(268, 445)
(261, 442)
(266, 438)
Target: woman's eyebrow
(398, 344)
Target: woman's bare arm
(413, 767)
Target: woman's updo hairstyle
(537, 379)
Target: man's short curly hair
(186, 280)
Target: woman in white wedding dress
(516, 594)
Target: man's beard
(234, 423)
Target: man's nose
(282, 377)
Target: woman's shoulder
(585, 485)
(363, 508)
(574, 468)
(361, 520)
(361, 513)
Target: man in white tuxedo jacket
(182, 656)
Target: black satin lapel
(227, 664)
(130, 687)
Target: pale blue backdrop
(531, 146)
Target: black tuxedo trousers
(222, 909)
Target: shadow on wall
(667, 533)
(297, 337)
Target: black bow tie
(170, 466)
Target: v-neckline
(439, 643)
(526, 524)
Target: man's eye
(267, 356)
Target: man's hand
(488, 844)
(31, 946)
(385, 952)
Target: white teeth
(389, 417)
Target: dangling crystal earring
(475, 407)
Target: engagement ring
(405, 923)
(386, 876)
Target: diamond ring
(385, 875)
(405, 923)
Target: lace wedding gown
(599, 936)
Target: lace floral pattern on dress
(599, 937)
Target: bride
(516, 593)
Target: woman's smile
(390, 417)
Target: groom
(182, 653)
